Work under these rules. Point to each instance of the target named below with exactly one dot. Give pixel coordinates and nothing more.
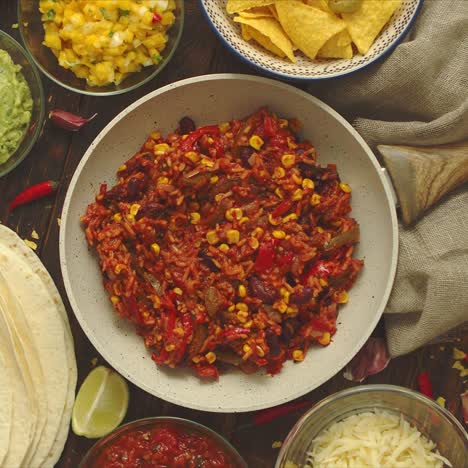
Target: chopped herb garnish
(104, 13)
(111, 33)
(124, 12)
(50, 15)
(156, 58)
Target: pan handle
(422, 175)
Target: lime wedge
(101, 403)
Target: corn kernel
(288, 160)
(246, 348)
(260, 351)
(119, 268)
(440, 401)
(258, 232)
(115, 300)
(297, 195)
(279, 234)
(319, 229)
(224, 127)
(233, 213)
(232, 308)
(156, 302)
(207, 162)
(210, 357)
(155, 248)
(291, 144)
(179, 331)
(256, 142)
(170, 347)
(242, 307)
(224, 248)
(253, 242)
(315, 199)
(178, 291)
(308, 184)
(195, 217)
(155, 135)
(297, 178)
(134, 209)
(195, 359)
(343, 297)
(117, 217)
(130, 218)
(345, 187)
(323, 282)
(279, 193)
(163, 180)
(243, 220)
(278, 173)
(161, 148)
(218, 197)
(210, 140)
(194, 157)
(212, 237)
(281, 306)
(273, 221)
(242, 316)
(291, 310)
(325, 339)
(248, 324)
(283, 123)
(233, 236)
(214, 179)
(290, 217)
(121, 168)
(298, 355)
(242, 290)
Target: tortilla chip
(271, 36)
(320, 4)
(260, 12)
(365, 24)
(235, 6)
(245, 32)
(308, 27)
(338, 46)
(273, 11)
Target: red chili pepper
(235, 333)
(67, 120)
(266, 255)
(167, 302)
(425, 386)
(320, 324)
(282, 208)
(207, 371)
(270, 414)
(156, 18)
(188, 333)
(270, 126)
(285, 259)
(188, 143)
(321, 269)
(35, 192)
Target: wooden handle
(422, 175)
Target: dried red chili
(35, 192)
(193, 137)
(424, 384)
(270, 414)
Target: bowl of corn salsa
(101, 47)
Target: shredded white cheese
(372, 439)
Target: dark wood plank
(56, 157)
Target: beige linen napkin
(419, 96)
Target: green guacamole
(15, 106)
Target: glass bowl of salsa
(163, 442)
(22, 104)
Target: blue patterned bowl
(305, 68)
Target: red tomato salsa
(163, 447)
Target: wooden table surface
(56, 156)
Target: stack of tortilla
(37, 360)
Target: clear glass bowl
(435, 422)
(89, 461)
(33, 78)
(33, 35)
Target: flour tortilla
(6, 406)
(53, 337)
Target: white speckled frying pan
(214, 99)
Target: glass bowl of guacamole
(22, 104)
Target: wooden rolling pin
(422, 175)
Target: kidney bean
(267, 293)
(203, 255)
(301, 297)
(135, 186)
(186, 125)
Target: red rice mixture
(227, 245)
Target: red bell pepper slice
(194, 136)
(207, 371)
(167, 302)
(235, 333)
(282, 208)
(266, 255)
(270, 125)
(285, 259)
(156, 18)
(424, 384)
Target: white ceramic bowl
(305, 68)
(214, 99)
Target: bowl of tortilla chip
(311, 39)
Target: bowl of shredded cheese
(101, 47)
(372, 426)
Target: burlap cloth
(419, 96)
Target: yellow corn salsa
(103, 41)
